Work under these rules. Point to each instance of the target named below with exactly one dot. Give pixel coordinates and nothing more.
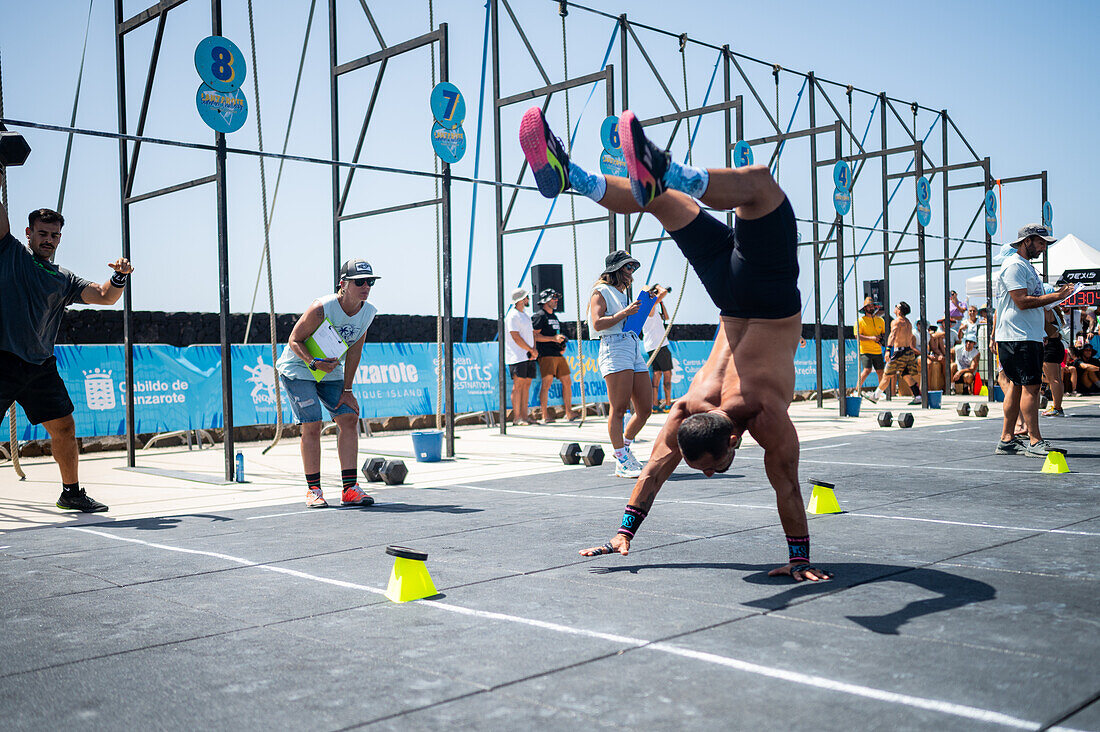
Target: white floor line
(867, 692)
(824, 447)
(958, 429)
(975, 525)
(275, 515)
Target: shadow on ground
(954, 591)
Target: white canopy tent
(1069, 252)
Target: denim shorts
(621, 352)
(307, 396)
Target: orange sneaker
(314, 499)
(355, 496)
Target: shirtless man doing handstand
(751, 274)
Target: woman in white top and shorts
(621, 362)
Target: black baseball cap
(358, 269)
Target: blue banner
(180, 388)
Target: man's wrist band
(632, 519)
(313, 364)
(798, 548)
(118, 279)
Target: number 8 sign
(220, 64)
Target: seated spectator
(1069, 371)
(1088, 371)
(970, 322)
(965, 366)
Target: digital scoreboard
(1089, 294)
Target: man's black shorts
(750, 271)
(663, 362)
(1054, 351)
(523, 369)
(1022, 361)
(872, 361)
(37, 388)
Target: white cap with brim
(519, 294)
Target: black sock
(71, 487)
(313, 480)
(916, 391)
(349, 477)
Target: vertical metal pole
(448, 335)
(841, 340)
(223, 275)
(609, 89)
(990, 379)
(923, 293)
(885, 219)
(127, 302)
(946, 264)
(624, 49)
(816, 242)
(334, 129)
(497, 194)
(727, 119)
(1046, 252)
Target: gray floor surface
(965, 597)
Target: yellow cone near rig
(823, 500)
(409, 579)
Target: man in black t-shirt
(550, 343)
(34, 293)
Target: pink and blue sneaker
(646, 164)
(545, 154)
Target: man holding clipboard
(328, 336)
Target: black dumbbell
(981, 410)
(393, 472)
(963, 409)
(570, 453)
(13, 148)
(372, 469)
(592, 455)
(885, 419)
(905, 419)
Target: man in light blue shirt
(1019, 298)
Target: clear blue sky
(1013, 75)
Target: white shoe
(627, 466)
(877, 395)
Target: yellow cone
(409, 579)
(984, 391)
(823, 500)
(1055, 462)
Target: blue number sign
(842, 175)
(990, 203)
(924, 190)
(1048, 215)
(220, 63)
(742, 154)
(609, 136)
(448, 106)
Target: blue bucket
(934, 398)
(851, 405)
(428, 446)
(998, 393)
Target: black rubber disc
(406, 553)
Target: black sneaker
(1010, 447)
(545, 154)
(79, 501)
(646, 163)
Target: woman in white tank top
(312, 382)
(621, 362)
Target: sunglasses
(365, 281)
(631, 268)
